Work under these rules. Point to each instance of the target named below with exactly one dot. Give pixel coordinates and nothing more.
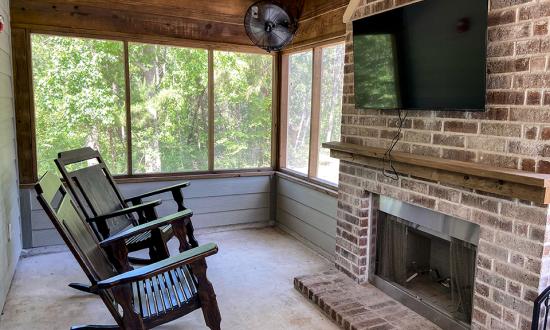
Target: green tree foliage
(375, 75)
(79, 88)
(299, 110)
(332, 83)
(169, 93)
(243, 100)
(79, 98)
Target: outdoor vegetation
(300, 71)
(242, 90)
(80, 100)
(169, 108)
(332, 84)
(299, 109)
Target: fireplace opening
(427, 261)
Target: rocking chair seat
(143, 240)
(164, 294)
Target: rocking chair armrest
(128, 210)
(159, 267)
(154, 224)
(159, 191)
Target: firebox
(426, 260)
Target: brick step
(356, 306)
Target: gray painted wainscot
(307, 214)
(215, 203)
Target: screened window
(243, 86)
(300, 72)
(169, 108)
(332, 83)
(81, 86)
(79, 98)
(313, 110)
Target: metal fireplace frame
(436, 224)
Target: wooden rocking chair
(108, 213)
(149, 296)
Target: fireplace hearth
(426, 261)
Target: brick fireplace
(513, 263)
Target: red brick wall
(515, 130)
(513, 262)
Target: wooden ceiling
(207, 20)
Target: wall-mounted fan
(269, 25)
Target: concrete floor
(252, 274)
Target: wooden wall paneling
(10, 222)
(27, 13)
(325, 43)
(24, 106)
(212, 21)
(223, 11)
(213, 10)
(315, 112)
(313, 8)
(149, 39)
(307, 214)
(320, 28)
(283, 112)
(304, 194)
(215, 202)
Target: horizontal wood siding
(9, 193)
(215, 202)
(308, 214)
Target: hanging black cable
(391, 172)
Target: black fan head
(269, 26)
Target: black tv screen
(429, 55)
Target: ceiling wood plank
(324, 27)
(231, 12)
(313, 8)
(38, 13)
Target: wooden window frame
(25, 110)
(315, 112)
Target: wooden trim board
(308, 182)
(524, 185)
(211, 107)
(283, 112)
(128, 109)
(348, 14)
(315, 112)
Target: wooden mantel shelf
(524, 185)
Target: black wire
(387, 155)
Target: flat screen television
(430, 55)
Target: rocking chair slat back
(61, 209)
(94, 189)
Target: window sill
(315, 184)
(159, 177)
